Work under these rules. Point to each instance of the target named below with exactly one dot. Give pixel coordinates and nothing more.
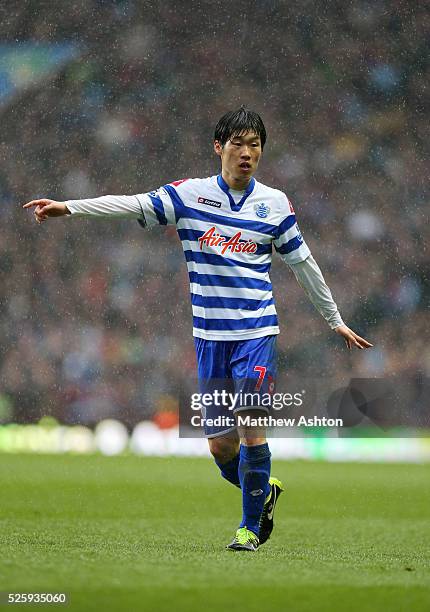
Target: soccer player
(228, 225)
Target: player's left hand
(351, 338)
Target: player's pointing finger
(42, 202)
(30, 204)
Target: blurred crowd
(95, 315)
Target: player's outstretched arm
(114, 206)
(149, 209)
(45, 208)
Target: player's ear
(218, 147)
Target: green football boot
(266, 520)
(244, 540)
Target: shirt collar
(226, 189)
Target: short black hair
(236, 123)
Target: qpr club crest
(262, 210)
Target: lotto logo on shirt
(212, 238)
(209, 202)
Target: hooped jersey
(227, 244)
(227, 241)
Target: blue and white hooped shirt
(227, 242)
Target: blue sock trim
(230, 470)
(253, 454)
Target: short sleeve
(289, 242)
(157, 208)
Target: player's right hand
(45, 208)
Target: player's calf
(225, 450)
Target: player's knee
(224, 449)
(253, 435)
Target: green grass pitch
(131, 533)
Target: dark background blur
(95, 318)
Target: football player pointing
(227, 225)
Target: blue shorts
(239, 367)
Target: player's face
(239, 157)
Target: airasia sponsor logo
(212, 238)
